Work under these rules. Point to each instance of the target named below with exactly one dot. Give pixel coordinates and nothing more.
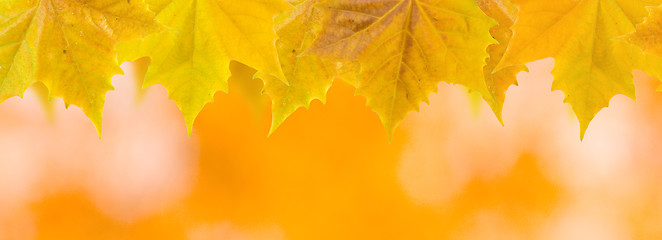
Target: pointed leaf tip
(403, 56)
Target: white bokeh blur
(144, 161)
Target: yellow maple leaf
(591, 66)
(192, 59)
(68, 45)
(405, 48)
(309, 77)
(498, 82)
(648, 34)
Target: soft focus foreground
(451, 171)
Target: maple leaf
(309, 77)
(68, 45)
(498, 82)
(591, 66)
(405, 48)
(192, 60)
(648, 34)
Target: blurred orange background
(329, 172)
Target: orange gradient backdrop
(329, 172)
